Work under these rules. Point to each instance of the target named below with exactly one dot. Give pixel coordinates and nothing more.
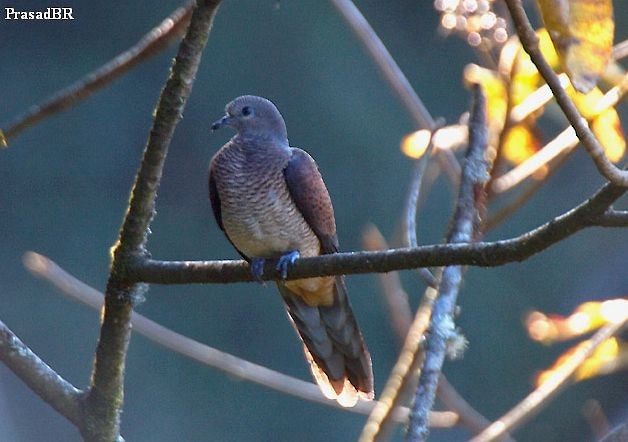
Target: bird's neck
(253, 141)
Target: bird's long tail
(333, 345)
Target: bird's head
(253, 116)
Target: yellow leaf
(582, 32)
(525, 78)
(600, 360)
(604, 123)
(494, 89)
(610, 356)
(607, 129)
(519, 144)
(415, 144)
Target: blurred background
(65, 185)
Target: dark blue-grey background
(65, 184)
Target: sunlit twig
(541, 397)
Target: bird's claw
(257, 269)
(286, 261)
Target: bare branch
(530, 43)
(451, 399)
(395, 78)
(77, 290)
(154, 42)
(412, 200)
(465, 223)
(103, 403)
(39, 377)
(400, 318)
(614, 218)
(484, 254)
(540, 397)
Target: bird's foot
(286, 260)
(257, 269)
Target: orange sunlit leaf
(587, 317)
(610, 356)
(582, 32)
(415, 144)
(496, 99)
(525, 77)
(607, 129)
(519, 144)
(494, 89)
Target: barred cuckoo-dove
(271, 202)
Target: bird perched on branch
(271, 202)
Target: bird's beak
(227, 120)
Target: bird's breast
(258, 213)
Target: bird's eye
(246, 111)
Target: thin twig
(396, 79)
(410, 212)
(594, 415)
(465, 225)
(614, 218)
(528, 192)
(401, 319)
(530, 42)
(392, 291)
(151, 44)
(77, 290)
(469, 416)
(39, 377)
(617, 434)
(103, 404)
(541, 397)
(620, 50)
(407, 363)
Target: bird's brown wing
(310, 195)
(214, 198)
(333, 344)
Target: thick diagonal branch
(39, 377)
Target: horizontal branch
(77, 290)
(39, 377)
(483, 254)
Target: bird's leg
(257, 269)
(286, 260)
